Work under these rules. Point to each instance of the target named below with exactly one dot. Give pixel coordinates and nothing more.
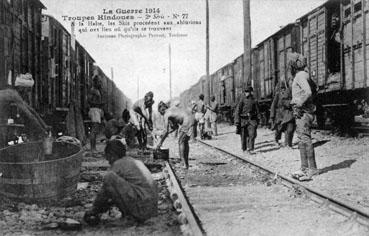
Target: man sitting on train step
(174, 117)
(246, 119)
(128, 186)
(303, 92)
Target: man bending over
(174, 117)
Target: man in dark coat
(246, 119)
(281, 114)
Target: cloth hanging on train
(24, 80)
(10, 75)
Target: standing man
(193, 111)
(281, 114)
(199, 116)
(212, 114)
(183, 120)
(95, 112)
(141, 115)
(246, 119)
(159, 123)
(303, 91)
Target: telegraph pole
(170, 73)
(247, 43)
(107, 94)
(138, 88)
(113, 92)
(207, 48)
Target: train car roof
(322, 5)
(37, 2)
(41, 5)
(80, 45)
(282, 29)
(59, 24)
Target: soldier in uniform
(281, 114)
(303, 91)
(246, 118)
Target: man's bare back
(183, 117)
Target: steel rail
(192, 218)
(338, 206)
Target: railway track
(197, 204)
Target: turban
(296, 60)
(116, 147)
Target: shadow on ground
(230, 132)
(265, 145)
(320, 143)
(341, 165)
(269, 149)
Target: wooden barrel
(25, 178)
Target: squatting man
(129, 186)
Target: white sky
(147, 59)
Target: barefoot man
(174, 117)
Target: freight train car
(184, 98)
(224, 81)
(119, 101)
(113, 98)
(196, 90)
(238, 76)
(84, 74)
(67, 74)
(60, 66)
(334, 42)
(269, 65)
(57, 81)
(333, 37)
(20, 44)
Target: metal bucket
(162, 154)
(25, 178)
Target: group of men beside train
(292, 110)
(130, 186)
